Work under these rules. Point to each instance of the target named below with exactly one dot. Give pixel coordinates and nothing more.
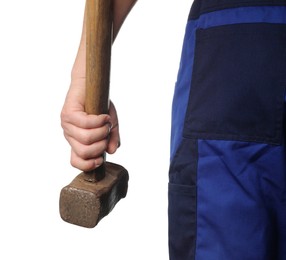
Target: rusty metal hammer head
(85, 202)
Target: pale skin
(90, 135)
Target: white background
(39, 41)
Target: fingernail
(109, 127)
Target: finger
(114, 140)
(87, 136)
(82, 120)
(113, 114)
(85, 165)
(87, 152)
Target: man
(227, 190)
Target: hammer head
(85, 203)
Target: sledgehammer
(92, 195)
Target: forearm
(120, 12)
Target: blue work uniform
(227, 179)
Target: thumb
(114, 137)
(114, 140)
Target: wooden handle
(99, 35)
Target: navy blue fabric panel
(183, 201)
(182, 222)
(238, 83)
(204, 6)
(183, 168)
(262, 14)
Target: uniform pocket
(182, 221)
(238, 85)
(182, 201)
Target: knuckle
(83, 152)
(88, 166)
(64, 116)
(83, 166)
(86, 138)
(74, 162)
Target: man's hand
(88, 135)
